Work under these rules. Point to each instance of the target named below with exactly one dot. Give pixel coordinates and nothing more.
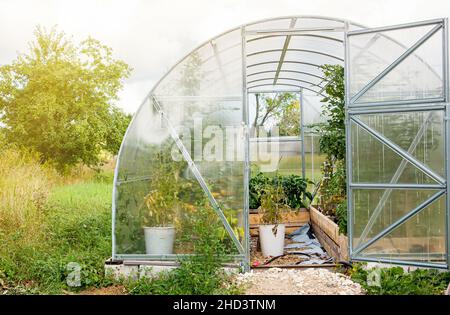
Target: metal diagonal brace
(394, 180)
(198, 176)
(401, 220)
(393, 65)
(283, 52)
(394, 147)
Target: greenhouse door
(397, 129)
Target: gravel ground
(277, 281)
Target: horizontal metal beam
(419, 108)
(283, 84)
(260, 52)
(274, 91)
(399, 221)
(294, 30)
(397, 103)
(167, 257)
(284, 78)
(395, 186)
(277, 139)
(400, 262)
(298, 35)
(395, 27)
(286, 61)
(287, 71)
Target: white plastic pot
(159, 240)
(272, 244)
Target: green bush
(341, 216)
(394, 281)
(294, 187)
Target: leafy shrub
(341, 216)
(294, 189)
(256, 185)
(394, 281)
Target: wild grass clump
(24, 188)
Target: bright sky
(151, 35)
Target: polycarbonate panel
(271, 24)
(375, 162)
(421, 134)
(382, 207)
(314, 158)
(422, 238)
(315, 22)
(282, 157)
(312, 56)
(324, 46)
(419, 76)
(151, 168)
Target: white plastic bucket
(271, 245)
(159, 240)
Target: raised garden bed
(327, 232)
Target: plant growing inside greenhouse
(163, 203)
(272, 231)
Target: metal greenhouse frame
(421, 103)
(388, 83)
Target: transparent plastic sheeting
(397, 157)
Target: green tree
(332, 133)
(281, 109)
(59, 99)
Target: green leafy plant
(256, 185)
(341, 216)
(332, 143)
(395, 281)
(332, 132)
(294, 187)
(273, 204)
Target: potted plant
(272, 231)
(159, 222)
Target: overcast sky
(152, 35)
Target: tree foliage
(332, 143)
(332, 140)
(282, 110)
(58, 99)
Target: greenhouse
(212, 123)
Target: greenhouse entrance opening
(247, 102)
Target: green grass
(77, 229)
(293, 165)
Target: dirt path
(312, 281)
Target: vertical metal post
(245, 124)
(348, 148)
(302, 133)
(446, 83)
